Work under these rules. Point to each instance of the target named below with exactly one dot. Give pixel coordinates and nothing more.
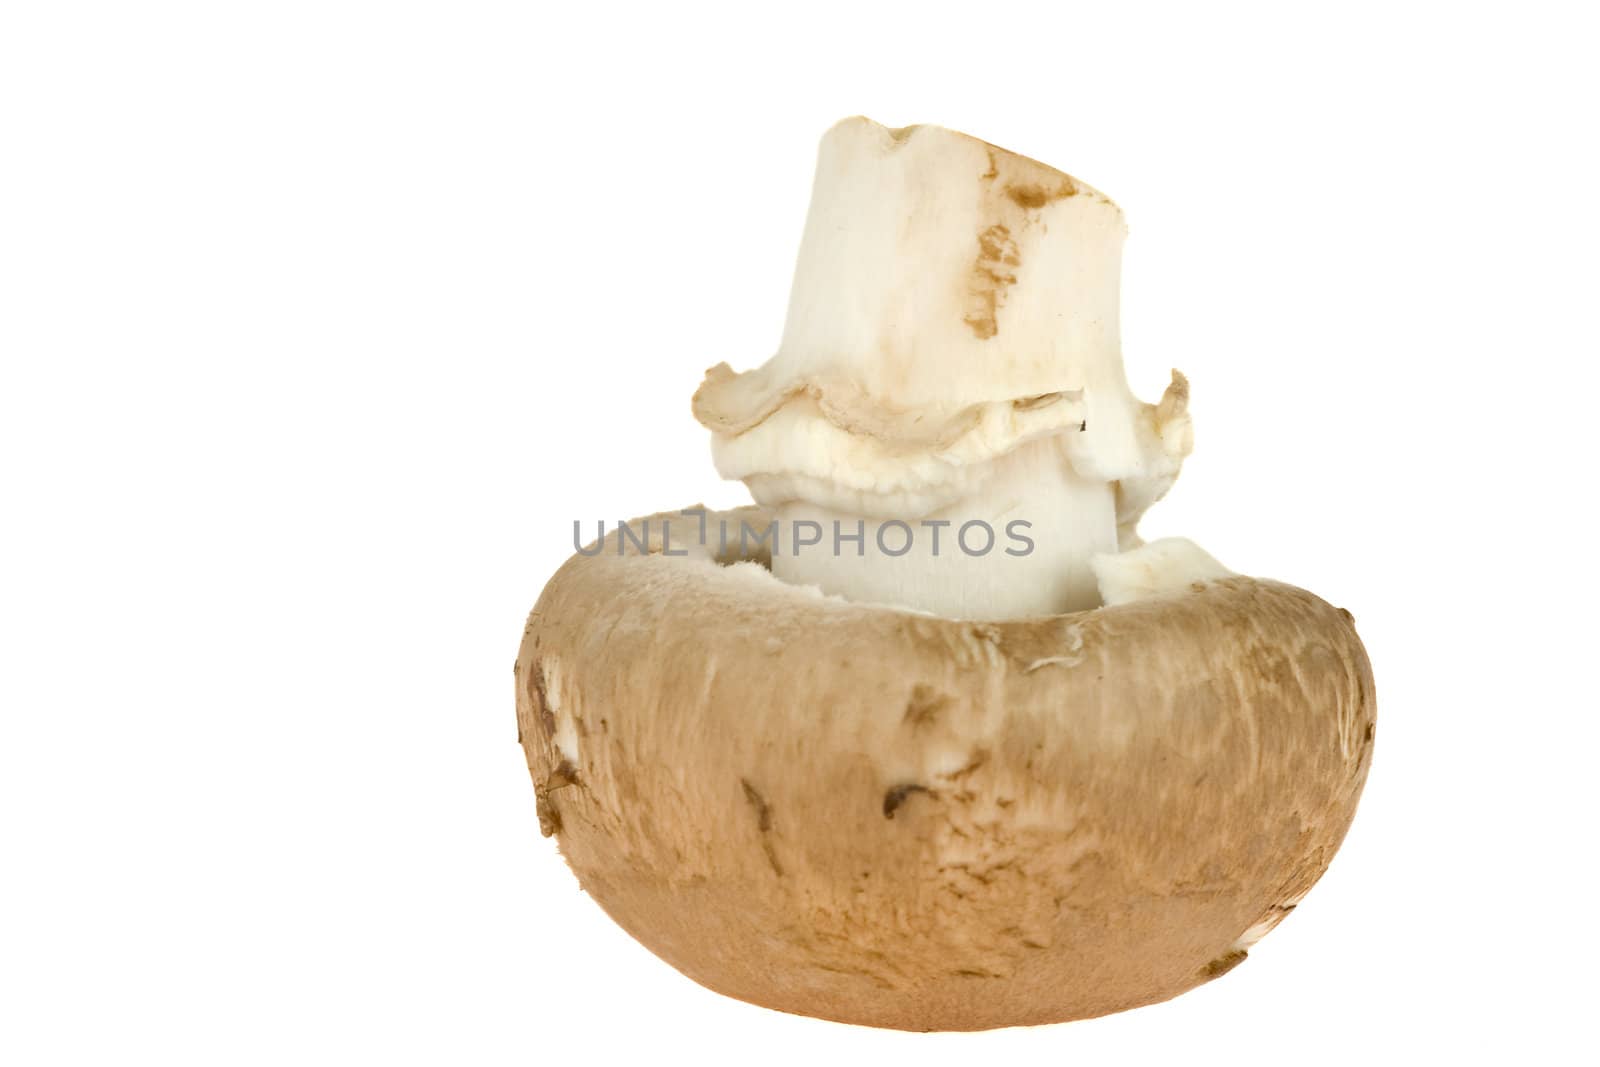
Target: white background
(321, 322)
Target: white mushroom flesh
(951, 355)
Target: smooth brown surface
(891, 819)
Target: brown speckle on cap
(924, 707)
(763, 824)
(897, 796)
(1223, 964)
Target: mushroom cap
(876, 816)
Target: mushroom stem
(1020, 545)
(951, 360)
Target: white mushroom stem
(951, 356)
(1018, 545)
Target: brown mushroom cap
(879, 817)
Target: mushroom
(941, 790)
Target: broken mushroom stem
(946, 425)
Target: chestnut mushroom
(925, 790)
